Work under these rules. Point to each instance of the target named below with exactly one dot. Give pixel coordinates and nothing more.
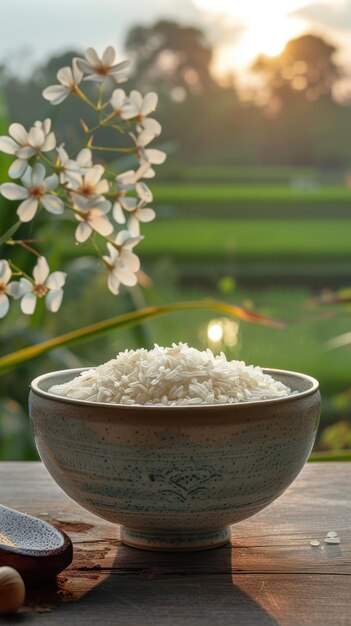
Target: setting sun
(259, 28)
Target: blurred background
(253, 203)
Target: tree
(306, 66)
(172, 57)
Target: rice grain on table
(172, 376)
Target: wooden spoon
(34, 548)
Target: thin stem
(125, 150)
(24, 244)
(47, 161)
(19, 271)
(11, 231)
(85, 98)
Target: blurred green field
(265, 194)
(252, 173)
(245, 240)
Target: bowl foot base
(169, 541)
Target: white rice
(173, 376)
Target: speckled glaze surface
(175, 478)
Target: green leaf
(11, 231)
(126, 320)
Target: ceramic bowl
(175, 478)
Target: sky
(34, 29)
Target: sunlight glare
(215, 331)
(265, 28)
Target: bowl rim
(35, 388)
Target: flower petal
(109, 56)
(8, 145)
(129, 111)
(144, 138)
(53, 300)
(26, 152)
(125, 239)
(83, 232)
(12, 191)
(62, 154)
(49, 143)
(126, 178)
(136, 99)
(56, 94)
(117, 99)
(28, 303)
(18, 168)
(53, 204)
(102, 225)
(84, 66)
(76, 71)
(36, 138)
(46, 125)
(4, 305)
(125, 276)
(93, 175)
(27, 209)
(38, 174)
(51, 182)
(5, 272)
(19, 133)
(119, 66)
(156, 157)
(65, 77)
(143, 192)
(131, 260)
(113, 284)
(118, 214)
(14, 290)
(128, 203)
(41, 271)
(25, 286)
(152, 126)
(149, 103)
(27, 177)
(133, 226)
(56, 280)
(84, 158)
(146, 215)
(102, 187)
(92, 57)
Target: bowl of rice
(174, 444)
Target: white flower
(140, 107)
(89, 183)
(128, 181)
(150, 155)
(44, 286)
(91, 214)
(36, 190)
(139, 214)
(99, 69)
(117, 100)
(121, 262)
(24, 145)
(69, 79)
(6, 288)
(70, 168)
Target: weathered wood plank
(213, 600)
(270, 574)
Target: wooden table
(269, 575)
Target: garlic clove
(12, 590)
